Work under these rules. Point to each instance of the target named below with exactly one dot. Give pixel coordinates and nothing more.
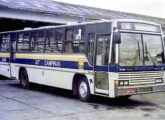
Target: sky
(146, 7)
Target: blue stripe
(4, 59)
(87, 67)
(97, 68)
(75, 65)
(117, 68)
(49, 63)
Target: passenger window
(74, 42)
(59, 35)
(40, 42)
(50, 42)
(23, 42)
(78, 43)
(14, 43)
(33, 41)
(90, 51)
(37, 42)
(5, 43)
(68, 42)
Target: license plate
(131, 90)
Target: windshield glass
(140, 49)
(153, 50)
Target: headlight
(159, 80)
(122, 83)
(126, 82)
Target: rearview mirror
(117, 37)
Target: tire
(84, 90)
(24, 80)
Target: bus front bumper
(134, 90)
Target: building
(18, 14)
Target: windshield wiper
(148, 53)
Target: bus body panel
(4, 64)
(50, 75)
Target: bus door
(101, 56)
(12, 51)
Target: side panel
(4, 64)
(112, 77)
(61, 77)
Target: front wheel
(83, 90)
(24, 80)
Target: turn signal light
(116, 83)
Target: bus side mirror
(164, 39)
(117, 37)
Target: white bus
(116, 58)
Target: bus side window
(59, 37)
(78, 41)
(39, 46)
(0, 41)
(90, 48)
(73, 41)
(51, 46)
(14, 40)
(68, 41)
(37, 42)
(23, 42)
(5, 43)
(1, 46)
(33, 40)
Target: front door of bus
(101, 63)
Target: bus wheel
(24, 80)
(83, 90)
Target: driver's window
(102, 50)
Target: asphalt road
(47, 103)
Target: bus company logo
(52, 63)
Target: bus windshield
(140, 49)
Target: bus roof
(84, 23)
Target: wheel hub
(83, 89)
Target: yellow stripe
(50, 57)
(117, 60)
(5, 55)
(109, 60)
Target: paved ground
(46, 103)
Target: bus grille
(141, 78)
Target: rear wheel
(24, 80)
(83, 90)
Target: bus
(112, 58)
